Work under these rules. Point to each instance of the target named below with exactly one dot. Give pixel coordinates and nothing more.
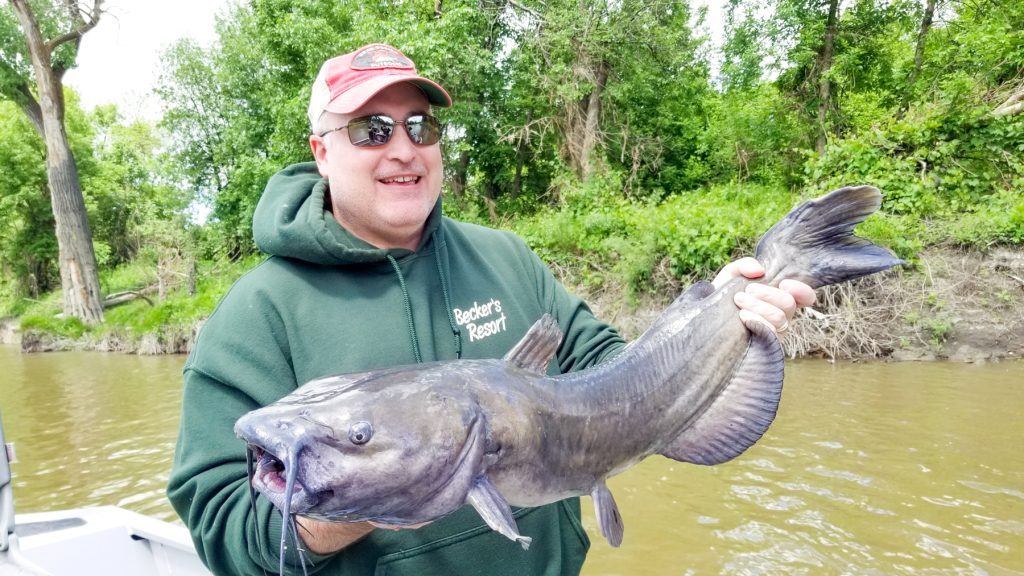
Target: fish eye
(360, 433)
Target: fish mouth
(269, 476)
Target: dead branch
(83, 25)
(1011, 110)
(126, 296)
(1014, 104)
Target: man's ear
(319, 148)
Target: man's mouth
(400, 180)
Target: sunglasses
(377, 129)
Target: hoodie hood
(292, 220)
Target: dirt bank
(950, 305)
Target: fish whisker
(250, 469)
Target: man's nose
(401, 146)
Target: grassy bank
(148, 324)
(630, 257)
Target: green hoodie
(325, 302)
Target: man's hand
(763, 303)
(329, 537)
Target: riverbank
(965, 306)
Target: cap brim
(354, 98)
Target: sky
(119, 60)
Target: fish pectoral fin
(536, 349)
(741, 414)
(608, 517)
(495, 511)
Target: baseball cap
(346, 82)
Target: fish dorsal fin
(535, 351)
(741, 414)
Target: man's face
(381, 194)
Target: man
(364, 273)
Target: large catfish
(409, 445)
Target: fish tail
(815, 242)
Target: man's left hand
(764, 303)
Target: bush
(933, 163)
(601, 237)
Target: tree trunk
(461, 176)
(78, 272)
(521, 150)
(922, 35)
(824, 85)
(592, 124)
(79, 275)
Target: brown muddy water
(900, 468)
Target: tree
(824, 82)
(922, 35)
(51, 34)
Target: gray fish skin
(408, 445)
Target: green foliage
(935, 163)
(613, 240)
(132, 203)
(756, 135)
(28, 246)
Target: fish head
(390, 448)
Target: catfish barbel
(411, 444)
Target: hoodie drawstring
(408, 310)
(447, 300)
(456, 333)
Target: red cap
(346, 82)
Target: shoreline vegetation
(949, 302)
(961, 305)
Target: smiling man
(365, 272)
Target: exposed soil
(965, 306)
(955, 305)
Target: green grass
(177, 313)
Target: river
(869, 468)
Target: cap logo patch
(375, 57)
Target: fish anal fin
(608, 517)
(536, 349)
(495, 511)
(741, 414)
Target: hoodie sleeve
(238, 364)
(586, 341)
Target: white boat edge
(95, 541)
(105, 540)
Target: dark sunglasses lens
(376, 130)
(370, 131)
(423, 129)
